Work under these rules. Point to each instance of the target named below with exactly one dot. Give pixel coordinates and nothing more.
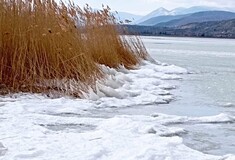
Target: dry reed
(107, 46)
(45, 46)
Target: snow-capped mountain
(162, 13)
(199, 17)
(195, 9)
(176, 11)
(126, 17)
(158, 12)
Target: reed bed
(46, 47)
(107, 46)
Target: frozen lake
(209, 90)
(157, 111)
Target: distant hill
(163, 15)
(213, 29)
(178, 11)
(123, 16)
(196, 9)
(199, 17)
(224, 29)
(161, 19)
(158, 12)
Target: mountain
(212, 29)
(199, 17)
(124, 16)
(164, 15)
(177, 11)
(195, 9)
(161, 19)
(158, 12)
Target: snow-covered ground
(37, 127)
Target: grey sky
(146, 6)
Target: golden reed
(47, 47)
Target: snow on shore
(36, 127)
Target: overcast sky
(142, 7)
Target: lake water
(212, 62)
(209, 90)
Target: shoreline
(63, 128)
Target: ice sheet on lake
(36, 127)
(169, 119)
